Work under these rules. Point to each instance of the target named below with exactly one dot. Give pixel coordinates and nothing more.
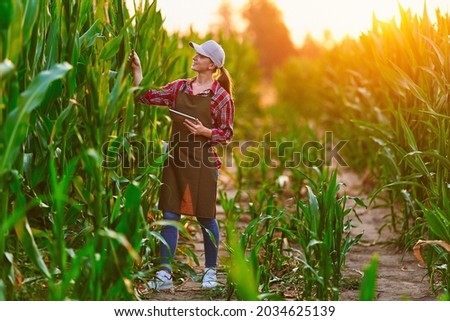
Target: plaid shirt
(222, 107)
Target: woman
(189, 179)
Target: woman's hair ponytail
(225, 81)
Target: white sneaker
(209, 278)
(163, 281)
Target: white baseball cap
(212, 50)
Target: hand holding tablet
(179, 113)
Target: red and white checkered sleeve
(165, 96)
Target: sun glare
(345, 17)
(302, 17)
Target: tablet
(179, 113)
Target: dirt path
(399, 276)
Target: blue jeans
(170, 235)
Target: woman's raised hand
(135, 64)
(134, 61)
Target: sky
(341, 17)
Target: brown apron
(189, 175)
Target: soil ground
(399, 275)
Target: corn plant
(418, 116)
(322, 228)
(386, 92)
(79, 161)
(242, 269)
(302, 250)
(438, 259)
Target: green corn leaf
(437, 223)
(394, 184)
(314, 213)
(432, 154)
(439, 54)
(189, 253)
(122, 240)
(367, 291)
(9, 272)
(159, 237)
(313, 243)
(111, 48)
(175, 224)
(29, 18)
(242, 272)
(25, 235)
(86, 6)
(409, 135)
(130, 220)
(406, 82)
(88, 38)
(6, 13)
(438, 115)
(358, 201)
(16, 124)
